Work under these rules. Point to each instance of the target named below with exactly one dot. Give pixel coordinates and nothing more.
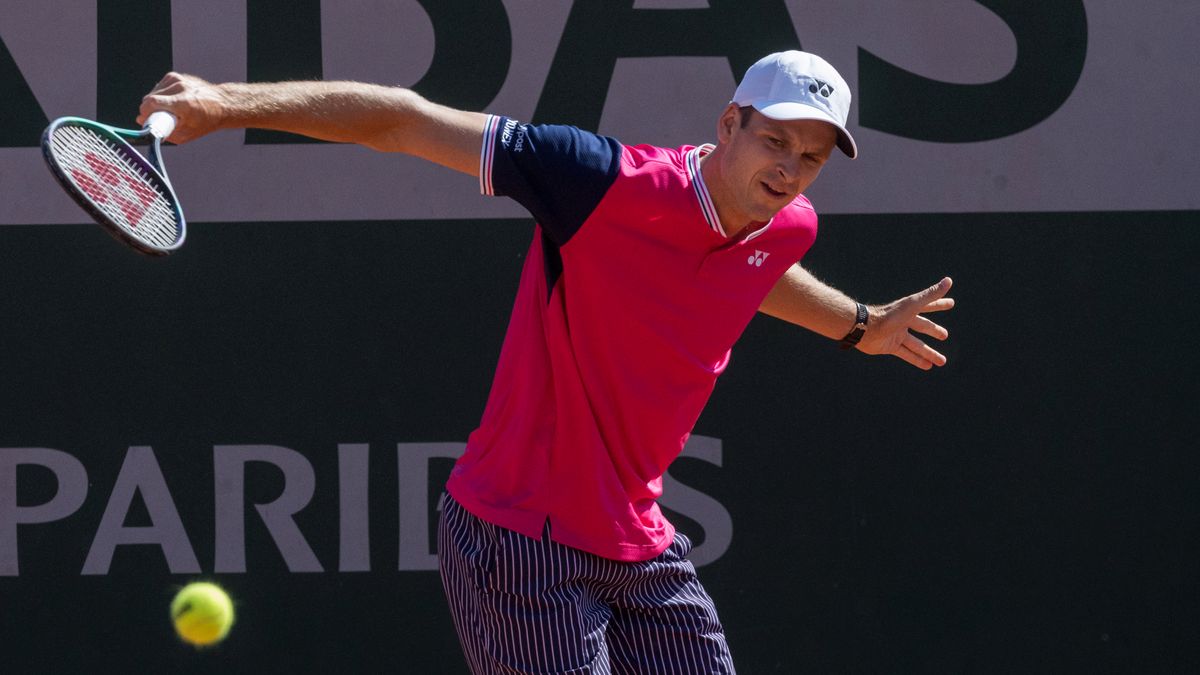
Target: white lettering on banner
(1083, 157)
(141, 473)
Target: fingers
(909, 356)
(934, 292)
(170, 85)
(169, 89)
(169, 80)
(931, 299)
(922, 351)
(939, 305)
(895, 320)
(919, 354)
(174, 93)
(150, 104)
(927, 327)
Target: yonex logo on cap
(821, 88)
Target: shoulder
(655, 158)
(659, 166)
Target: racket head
(119, 188)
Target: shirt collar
(701, 190)
(706, 204)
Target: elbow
(400, 115)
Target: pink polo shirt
(630, 299)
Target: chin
(766, 213)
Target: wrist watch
(860, 327)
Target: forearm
(384, 118)
(344, 112)
(800, 298)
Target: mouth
(772, 191)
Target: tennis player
(646, 265)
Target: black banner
(1029, 508)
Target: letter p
(72, 489)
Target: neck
(710, 169)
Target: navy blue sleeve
(559, 173)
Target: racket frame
(153, 133)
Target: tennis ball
(202, 613)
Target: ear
(728, 121)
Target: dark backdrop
(1032, 507)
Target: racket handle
(160, 123)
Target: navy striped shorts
(526, 606)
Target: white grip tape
(160, 123)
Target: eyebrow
(774, 127)
(794, 138)
(777, 130)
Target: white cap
(795, 85)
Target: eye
(774, 142)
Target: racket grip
(160, 123)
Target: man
(646, 265)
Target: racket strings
(128, 194)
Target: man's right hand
(199, 106)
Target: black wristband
(860, 327)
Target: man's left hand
(892, 328)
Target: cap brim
(790, 110)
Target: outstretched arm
(800, 298)
(389, 119)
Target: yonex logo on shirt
(821, 88)
(506, 133)
(758, 258)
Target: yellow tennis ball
(202, 612)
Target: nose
(789, 168)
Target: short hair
(746, 111)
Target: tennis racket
(123, 191)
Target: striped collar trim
(761, 229)
(706, 199)
(706, 203)
(487, 153)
